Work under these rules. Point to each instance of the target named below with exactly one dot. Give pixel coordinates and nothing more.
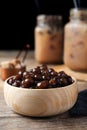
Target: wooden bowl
(40, 102)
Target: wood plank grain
(10, 120)
(77, 75)
(52, 123)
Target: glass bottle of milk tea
(49, 39)
(75, 40)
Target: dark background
(18, 19)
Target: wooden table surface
(12, 121)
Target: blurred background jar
(49, 39)
(75, 40)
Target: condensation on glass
(75, 40)
(49, 39)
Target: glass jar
(75, 40)
(49, 39)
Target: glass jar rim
(76, 10)
(49, 20)
(49, 16)
(79, 9)
(78, 13)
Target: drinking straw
(75, 3)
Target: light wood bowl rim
(47, 89)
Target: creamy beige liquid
(48, 46)
(75, 46)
